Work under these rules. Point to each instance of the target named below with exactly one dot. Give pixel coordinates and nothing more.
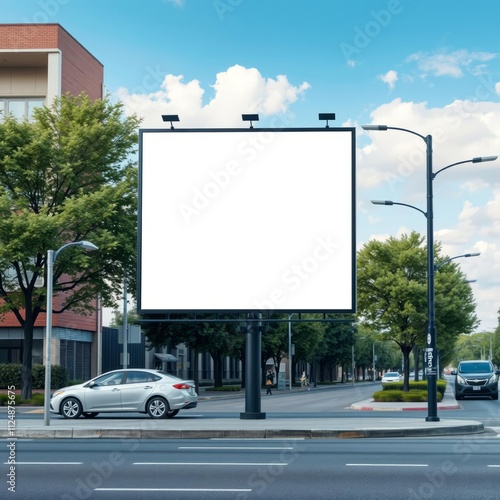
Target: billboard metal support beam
(253, 371)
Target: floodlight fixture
(170, 118)
(250, 118)
(326, 116)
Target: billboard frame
(237, 311)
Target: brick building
(39, 62)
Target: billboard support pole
(253, 371)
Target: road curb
(264, 433)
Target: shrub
(396, 396)
(10, 375)
(388, 396)
(420, 385)
(225, 388)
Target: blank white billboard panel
(246, 219)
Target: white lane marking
(235, 448)
(230, 490)
(211, 463)
(46, 463)
(493, 466)
(387, 465)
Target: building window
(21, 108)
(75, 357)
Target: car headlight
(460, 380)
(492, 379)
(56, 393)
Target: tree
(218, 338)
(64, 177)
(392, 295)
(335, 347)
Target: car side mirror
(93, 384)
(453, 372)
(497, 372)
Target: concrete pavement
(191, 425)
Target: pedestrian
(269, 382)
(303, 381)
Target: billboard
(240, 220)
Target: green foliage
(415, 386)
(10, 375)
(392, 294)
(398, 395)
(66, 176)
(475, 346)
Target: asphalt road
(393, 469)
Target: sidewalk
(192, 426)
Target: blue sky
(432, 67)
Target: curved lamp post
(51, 258)
(475, 254)
(429, 215)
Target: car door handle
(115, 389)
(148, 387)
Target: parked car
(154, 392)
(476, 378)
(391, 377)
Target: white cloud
(238, 90)
(453, 63)
(392, 165)
(391, 77)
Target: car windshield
(475, 367)
(391, 374)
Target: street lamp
(290, 351)
(51, 258)
(431, 341)
(475, 254)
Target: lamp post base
(432, 419)
(252, 415)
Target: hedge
(398, 395)
(421, 385)
(11, 375)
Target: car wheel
(172, 413)
(71, 408)
(157, 407)
(90, 414)
(495, 396)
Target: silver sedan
(154, 392)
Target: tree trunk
(217, 358)
(406, 367)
